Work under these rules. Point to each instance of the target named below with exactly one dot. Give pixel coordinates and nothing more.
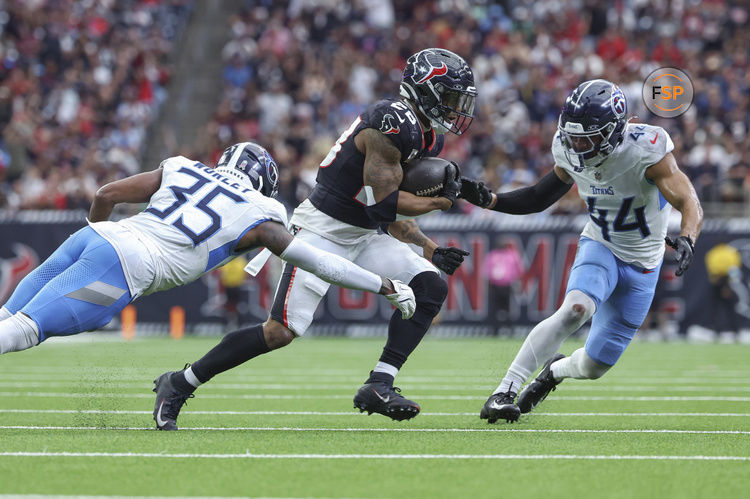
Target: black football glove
(452, 183)
(683, 245)
(475, 192)
(448, 259)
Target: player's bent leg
(18, 332)
(62, 258)
(86, 296)
(542, 343)
(378, 393)
(578, 366)
(175, 387)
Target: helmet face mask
(253, 165)
(592, 123)
(441, 86)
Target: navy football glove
(684, 247)
(475, 192)
(448, 259)
(452, 183)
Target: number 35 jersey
(627, 212)
(192, 225)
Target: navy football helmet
(252, 164)
(592, 122)
(441, 86)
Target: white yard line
(348, 387)
(356, 413)
(334, 396)
(377, 456)
(384, 430)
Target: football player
(629, 179)
(357, 192)
(198, 218)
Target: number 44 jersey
(192, 225)
(627, 212)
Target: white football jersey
(191, 226)
(627, 212)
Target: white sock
(382, 367)
(546, 339)
(4, 313)
(191, 378)
(17, 333)
(578, 366)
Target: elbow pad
(329, 267)
(385, 210)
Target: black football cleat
(500, 406)
(537, 390)
(386, 400)
(169, 401)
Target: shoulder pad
(272, 209)
(653, 142)
(397, 121)
(558, 153)
(175, 162)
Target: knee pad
(429, 289)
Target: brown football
(425, 177)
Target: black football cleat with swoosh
(500, 406)
(169, 401)
(385, 399)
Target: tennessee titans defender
(628, 178)
(357, 191)
(198, 218)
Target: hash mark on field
(421, 396)
(404, 430)
(355, 413)
(378, 456)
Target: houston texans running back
(628, 178)
(357, 191)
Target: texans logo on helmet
(388, 126)
(12, 270)
(618, 102)
(431, 71)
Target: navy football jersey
(339, 192)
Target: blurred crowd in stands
(81, 80)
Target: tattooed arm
(383, 174)
(409, 232)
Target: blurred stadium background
(92, 91)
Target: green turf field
(670, 420)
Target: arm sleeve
(534, 199)
(331, 268)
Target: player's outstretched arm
(382, 177)
(329, 267)
(447, 259)
(677, 189)
(136, 189)
(533, 199)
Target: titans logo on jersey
(340, 189)
(627, 212)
